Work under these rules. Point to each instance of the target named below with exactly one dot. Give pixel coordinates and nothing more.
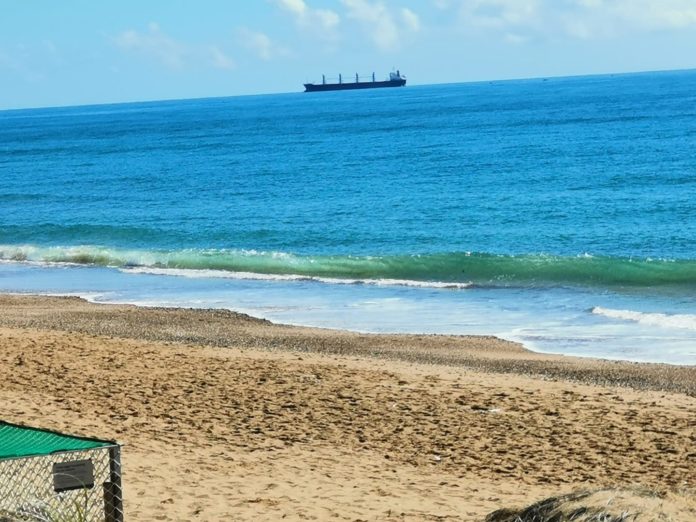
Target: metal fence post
(113, 496)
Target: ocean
(559, 212)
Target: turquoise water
(556, 212)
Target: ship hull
(320, 87)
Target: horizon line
(243, 95)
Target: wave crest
(445, 270)
(684, 321)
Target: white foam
(684, 321)
(222, 274)
(91, 297)
(194, 273)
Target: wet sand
(227, 417)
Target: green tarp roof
(22, 441)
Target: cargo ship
(395, 80)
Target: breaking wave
(447, 270)
(687, 321)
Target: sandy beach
(227, 417)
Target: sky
(78, 52)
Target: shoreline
(477, 352)
(511, 339)
(540, 321)
(271, 421)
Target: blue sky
(74, 52)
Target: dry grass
(605, 505)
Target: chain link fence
(63, 486)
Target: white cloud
(500, 13)
(219, 59)
(583, 19)
(609, 19)
(410, 19)
(260, 44)
(323, 21)
(174, 54)
(327, 18)
(580, 29)
(656, 14)
(515, 39)
(294, 6)
(590, 3)
(154, 43)
(379, 21)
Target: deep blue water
(557, 212)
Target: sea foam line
(684, 321)
(222, 274)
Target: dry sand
(226, 417)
